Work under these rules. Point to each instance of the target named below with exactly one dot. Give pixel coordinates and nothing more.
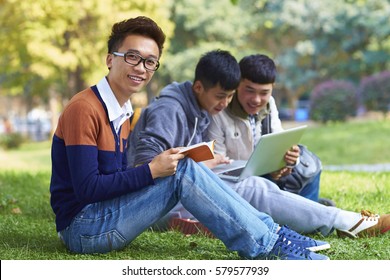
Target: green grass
(31, 157)
(27, 229)
(350, 143)
(30, 233)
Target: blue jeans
(311, 190)
(111, 225)
(286, 208)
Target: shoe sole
(385, 230)
(345, 234)
(319, 248)
(357, 230)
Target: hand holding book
(200, 152)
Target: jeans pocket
(102, 243)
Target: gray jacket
(174, 119)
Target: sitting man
(240, 126)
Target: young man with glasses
(101, 205)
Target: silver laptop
(267, 157)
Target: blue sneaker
(303, 241)
(285, 249)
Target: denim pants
(300, 214)
(311, 190)
(112, 224)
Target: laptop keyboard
(234, 173)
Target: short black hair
(258, 68)
(140, 26)
(218, 67)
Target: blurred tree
(311, 41)
(374, 92)
(321, 40)
(333, 100)
(202, 26)
(53, 49)
(60, 45)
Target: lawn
(355, 142)
(27, 228)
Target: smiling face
(214, 99)
(252, 96)
(124, 78)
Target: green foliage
(61, 45)
(11, 140)
(374, 92)
(201, 26)
(314, 41)
(333, 101)
(309, 40)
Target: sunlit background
(328, 53)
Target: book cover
(200, 152)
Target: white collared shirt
(116, 114)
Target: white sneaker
(370, 225)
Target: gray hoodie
(172, 120)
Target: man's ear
(198, 87)
(109, 58)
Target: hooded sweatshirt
(174, 119)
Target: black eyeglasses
(134, 59)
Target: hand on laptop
(218, 159)
(292, 156)
(280, 173)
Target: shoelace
(286, 231)
(288, 246)
(367, 214)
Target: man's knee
(255, 188)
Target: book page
(200, 152)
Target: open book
(200, 152)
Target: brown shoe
(370, 225)
(381, 227)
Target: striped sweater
(89, 158)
